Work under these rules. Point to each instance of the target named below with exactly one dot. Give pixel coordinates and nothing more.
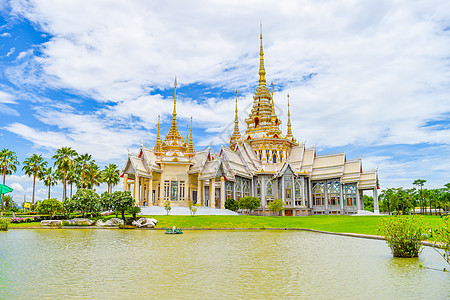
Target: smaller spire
(157, 148)
(289, 127)
(236, 133)
(190, 147)
(262, 71)
(187, 135)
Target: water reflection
(87, 263)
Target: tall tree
(111, 176)
(83, 162)
(8, 164)
(63, 160)
(93, 173)
(72, 178)
(33, 166)
(420, 183)
(49, 178)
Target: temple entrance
(288, 212)
(194, 197)
(217, 198)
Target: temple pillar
(212, 192)
(202, 192)
(283, 191)
(125, 182)
(161, 192)
(341, 199)
(263, 193)
(222, 192)
(150, 192)
(376, 208)
(358, 200)
(187, 196)
(142, 195)
(136, 189)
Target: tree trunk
(123, 215)
(64, 186)
(389, 209)
(71, 186)
(49, 185)
(4, 177)
(34, 185)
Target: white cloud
(5, 34)
(11, 51)
(17, 186)
(380, 69)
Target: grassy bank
(361, 224)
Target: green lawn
(362, 224)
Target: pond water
(86, 263)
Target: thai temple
(262, 162)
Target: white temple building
(261, 162)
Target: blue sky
(369, 78)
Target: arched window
(274, 158)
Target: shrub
(4, 224)
(276, 205)
(403, 235)
(193, 207)
(231, 204)
(134, 210)
(442, 239)
(50, 206)
(249, 203)
(167, 206)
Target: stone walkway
(184, 211)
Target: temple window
(182, 190)
(256, 122)
(298, 194)
(258, 187)
(349, 193)
(246, 188)
(274, 158)
(269, 190)
(166, 190)
(333, 192)
(318, 191)
(238, 189)
(174, 191)
(229, 189)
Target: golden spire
(187, 135)
(262, 71)
(174, 134)
(289, 129)
(190, 148)
(236, 133)
(157, 148)
(273, 105)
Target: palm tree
(83, 161)
(63, 160)
(421, 182)
(111, 176)
(33, 166)
(71, 178)
(49, 178)
(8, 164)
(94, 175)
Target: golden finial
(175, 97)
(174, 135)
(262, 71)
(157, 148)
(187, 135)
(236, 133)
(289, 129)
(191, 150)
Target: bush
(249, 203)
(231, 204)
(193, 207)
(4, 224)
(403, 235)
(276, 205)
(50, 206)
(442, 239)
(167, 206)
(134, 210)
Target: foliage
(134, 210)
(193, 207)
(34, 166)
(106, 201)
(275, 206)
(49, 178)
(86, 201)
(167, 206)
(403, 235)
(231, 204)
(249, 203)
(111, 176)
(9, 203)
(4, 224)
(8, 165)
(368, 203)
(82, 162)
(49, 207)
(64, 162)
(442, 239)
(69, 206)
(121, 201)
